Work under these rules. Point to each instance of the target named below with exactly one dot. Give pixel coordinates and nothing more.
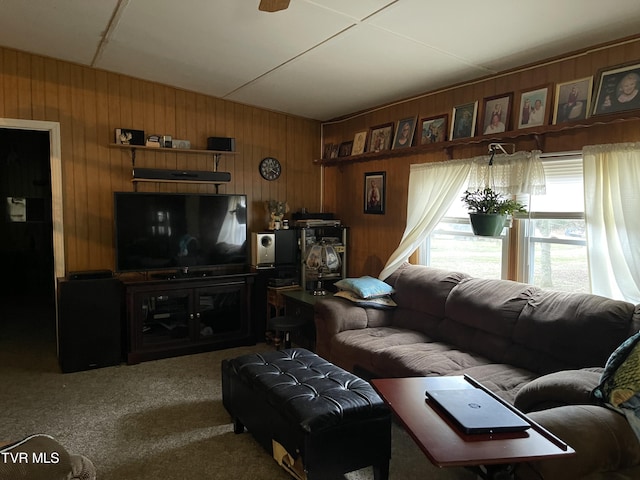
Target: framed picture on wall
(534, 107)
(496, 113)
(404, 133)
(345, 149)
(618, 89)
(380, 137)
(572, 100)
(464, 121)
(359, 143)
(374, 192)
(434, 129)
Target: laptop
(475, 411)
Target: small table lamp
(323, 258)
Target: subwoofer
(90, 318)
(263, 249)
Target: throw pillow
(377, 302)
(365, 287)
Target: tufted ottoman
(324, 419)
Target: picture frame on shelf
(496, 113)
(335, 148)
(345, 149)
(380, 137)
(618, 89)
(327, 150)
(434, 129)
(464, 117)
(404, 133)
(374, 192)
(359, 143)
(534, 107)
(572, 100)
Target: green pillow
(365, 287)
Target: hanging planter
(487, 224)
(490, 211)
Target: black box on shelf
(127, 136)
(223, 144)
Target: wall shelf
(537, 134)
(177, 176)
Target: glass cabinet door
(165, 317)
(219, 311)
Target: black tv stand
(171, 313)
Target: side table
(300, 304)
(275, 300)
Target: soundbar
(180, 175)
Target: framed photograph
(380, 137)
(464, 121)
(374, 192)
(534, 107)
(572, 100)
(345, 149)
(359, 143)
(335, 148)
(404, 132)
(434, 129)
(617, 89)
(496, 113)
(327, 150)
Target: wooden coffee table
(447, 446)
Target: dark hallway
(26, 244)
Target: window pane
(558, 255)
(454, 247)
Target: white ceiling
(319, 59)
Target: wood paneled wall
(373, 238)
(89, 104)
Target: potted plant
(490, 210)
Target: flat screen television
(166, 231)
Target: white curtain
(510, 174)
(433, 187)
(612, 197)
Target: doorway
(31, 244)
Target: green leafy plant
(488, 201)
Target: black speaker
(223, 144)
(181, 175)
(90, 317)
(286, 247)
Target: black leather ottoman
(328, 420)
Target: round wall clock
(270, 168)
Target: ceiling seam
(335, 35)
(111, 27)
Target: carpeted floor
(157, 420)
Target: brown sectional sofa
(541, 350)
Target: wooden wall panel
(89, 104)
(375, 237)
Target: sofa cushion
(423, 359)
(365, 287)
(567, 387)
(571, 330)
(502, 379)
(357, 347)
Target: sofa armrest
(602, 438)
(334, 315)
(567, 387)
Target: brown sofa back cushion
(421, 294)
(511, 322)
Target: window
(551, 250)
(452, 245)
(554, 242)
